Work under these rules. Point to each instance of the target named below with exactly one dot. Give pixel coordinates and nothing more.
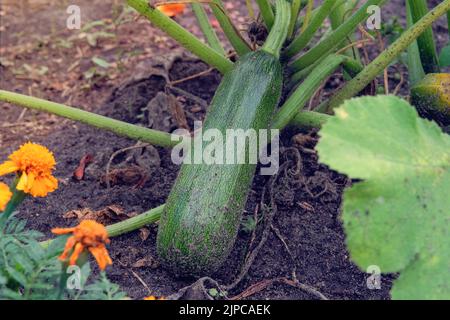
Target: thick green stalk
(231, 32)
(128, 225)
(335, 38)
(207, 29)
(415, 69)
(295, 10)
(136, 222)
(118, 127)
(305, 37)
(308, 15)
(309, 120)
(351, 66)
(265, 8)
(337, 15)
(306, 90)
(448, 22)
(425, 42)
(182, 36)
(278, 34)
(385, 58)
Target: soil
(308, 204)
(307, 237)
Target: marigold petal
(31, 178)
(23, 182)
(62, 230)
(101, 256)
(5, 196)
(76, 253)
(172, 10)
(67, 248)
(42, 186)
(8, 167)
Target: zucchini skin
(199, 225)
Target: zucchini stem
(309, 120)
(279, 32)
(305, 37)
(207, 29)
(306, 90)
(120, 128)
(136, 222)
(265, 9)
(182, 36)
(335, 38)
(415, 68)
(425, 42)
(295, 10)
(385, 58)
(232, 33)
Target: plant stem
(251, 12)
(351, 66)
(278, 34)
(306, 90)
(448, 22)
(182, 36)
(207, 29)
(131, 224)
(136, 222)
(425, 42)
(233, 35)
(335, 38)
(384, 59)
(265, 8)
(415, 69)
(309, 120)
(295, 10)
(308, 14)
(118, 127)
(301, 41)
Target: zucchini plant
(398, 217)
(199, 222)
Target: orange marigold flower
(154, 298)
(5, 196)
(89, 235)
(172, 10)
(35, 164)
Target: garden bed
(306, 236)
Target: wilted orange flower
(5, 196)
(172, 10)
(89, 235)
(35, 164)
(154, 298)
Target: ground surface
(39, 56)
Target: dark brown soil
(307, 195)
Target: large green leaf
(398, 217)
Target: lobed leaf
(398, 217)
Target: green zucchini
(202, 215)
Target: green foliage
(391, 30)
(28, 271)
(397, 218)
(444, 57)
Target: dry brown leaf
(108, 215)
